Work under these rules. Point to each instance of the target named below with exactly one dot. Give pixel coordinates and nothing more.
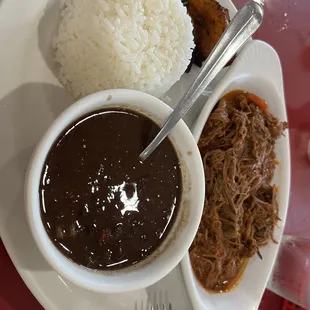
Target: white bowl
(257, 69)
(183, 230)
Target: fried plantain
(210, 20)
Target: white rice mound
(137, 44)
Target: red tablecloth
(287, 28)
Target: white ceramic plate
(30, 99)
(257, 70)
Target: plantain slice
(210, 20)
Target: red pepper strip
(258, 101)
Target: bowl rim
(89, 278)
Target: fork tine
(155, 306)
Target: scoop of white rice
(138, 44)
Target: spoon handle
(243, 25)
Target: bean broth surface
(101, 206)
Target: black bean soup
(101, 206)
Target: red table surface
(287, 28)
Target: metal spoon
(243, 25)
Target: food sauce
(101, 206)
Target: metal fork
(153, 306)
(161, 307)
